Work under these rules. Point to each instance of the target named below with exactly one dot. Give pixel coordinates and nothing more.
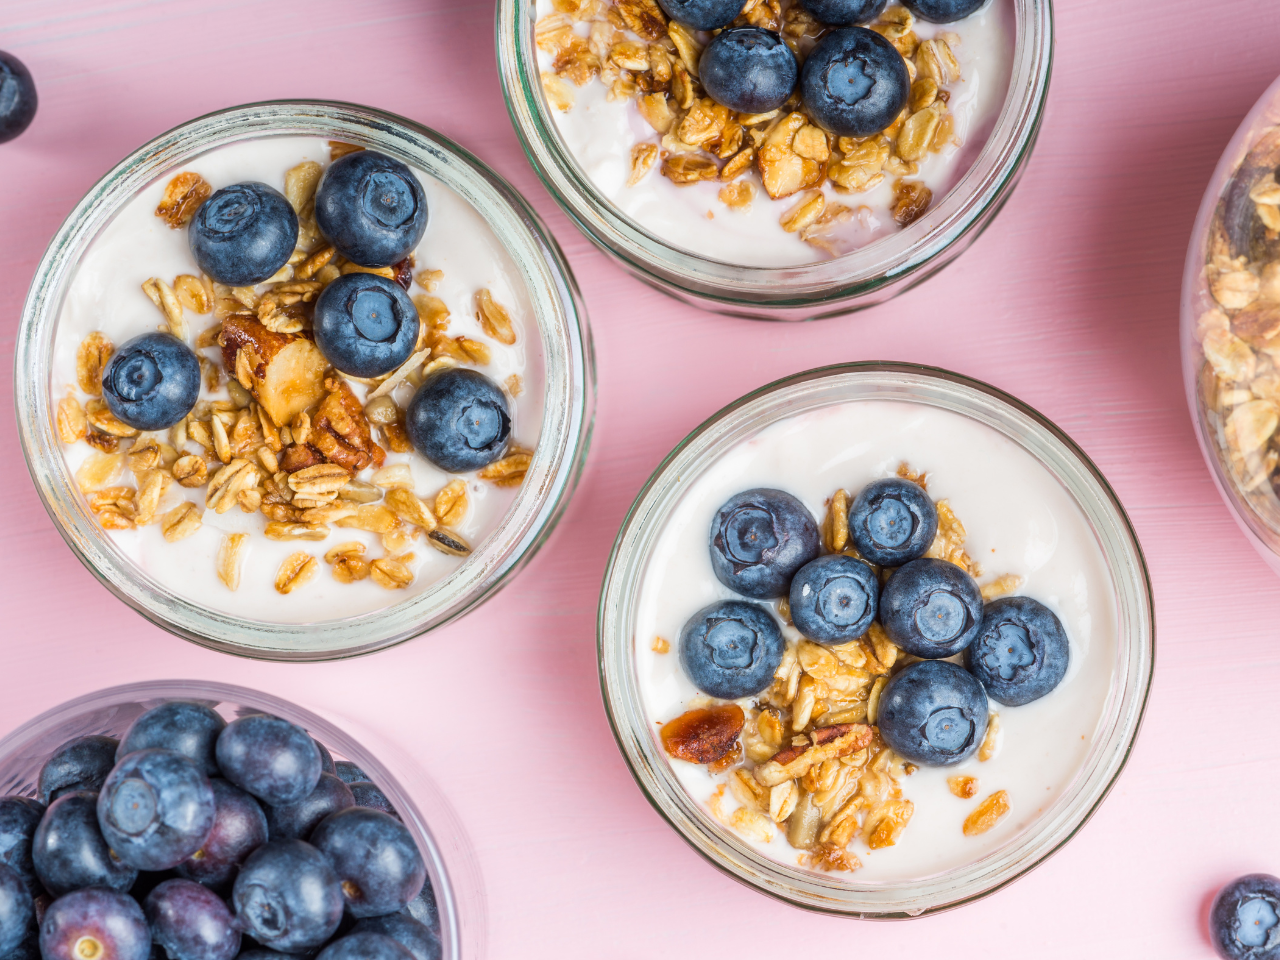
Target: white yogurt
(1019, 520)
(600, 135)
(106, 295)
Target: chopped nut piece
(642, 17)
(182, 198)
(509, 471)
(827, 743)
(231, 558)
(991, 742)
(811, 143)
(660, 645)
(986, 814)
(703, 735)
(784, 171)
(963, 787)
(91, 359)
(738, 196)
(390, 573)
(296, 570)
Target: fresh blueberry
(371, 208)
(295, 821)
(374, 856)
(156, 809)
(348, 772)
(79, 764)
(759, 539)
(19, 818)
(933, 712)
(262, 953)
(17, 97)
(243, 234)
(406, 931)
(703, 14)
(844, 13)
(854, 83)
(367, 794)
(892, 522)
(931, 608)
(731, 649)
(190, 729)
(748, 69)
(69, 851)
(326, 759)
(95, 924)
(17, 910)
(287, 897)
(943, 11)
(272, 759)
(239, 828)
(459, 420)
(1021, 651)
(424, 909)
(1244, 921)
(365, 946)
(152, 381)
(191, 922)
(365, 325)
(834, 598)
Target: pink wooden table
(1069, 301)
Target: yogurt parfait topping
(774, 132)
(339, 400)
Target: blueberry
(459, 420)
(759, 539)
(1244, 921)
(371, 208)
(239, 828)
(69, 851)
(152, 381)
(892, 522)
(370, 795)
(365, 325)
(272, 759)
(295, 821)
(931, 608)
(374, 856)
(156, 809)
(243, 234)
(262, 953)
(17, 910)
(1021, 651)
(844, 13)
(943, 11)
(748, 69)
(423, 908)
(731, 648)
(703, 14)
(190, 729)
(19, 818)
(191, 922)
(287, 897)
(326, 758)
(365, 946)
(17, 97)
(406, 931)
(95, 924)
(79, 764)
(834, 598)
(348, 772)
(854, 83)
(933, 712)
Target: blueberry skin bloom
(1021, 651)
(156, 809)
(190, 729)
(730, 649)
(748, 69)
(943, 11)
(892, 521)
(95, 924)
(854, 83)
(287, 897)
(844, 13)
(19, 818)
(371, 208)
(365, 946)
(348, 772)
(272, 759)
(79, 764)
(703, 14)
(365, 325)
(759, 539)
(326, 758)
(933, 712)
(834, 598)
(152, 381)
(375, 857)
(243, 234)
(17, 97)
(69, 851)
(295, 821)
(17, 910)
(406, 931)
(1244, 921)
(370, 795)
(239, 828)
(931, 608)
(459, 420)
(191, 922)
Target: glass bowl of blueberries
(211, 822)
(876, 639)
(778, 159)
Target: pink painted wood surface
(1068, 301)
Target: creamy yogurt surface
(106, 295)
(1019, 520)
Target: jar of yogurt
(232, 537)
(778, 213)
(1020, 510)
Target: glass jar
(451, 866)
(1230, 315)
(1123, 705)
(867, 276)
(564, 345)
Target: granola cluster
(632, 48)
(278, 431)
(805, 757)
